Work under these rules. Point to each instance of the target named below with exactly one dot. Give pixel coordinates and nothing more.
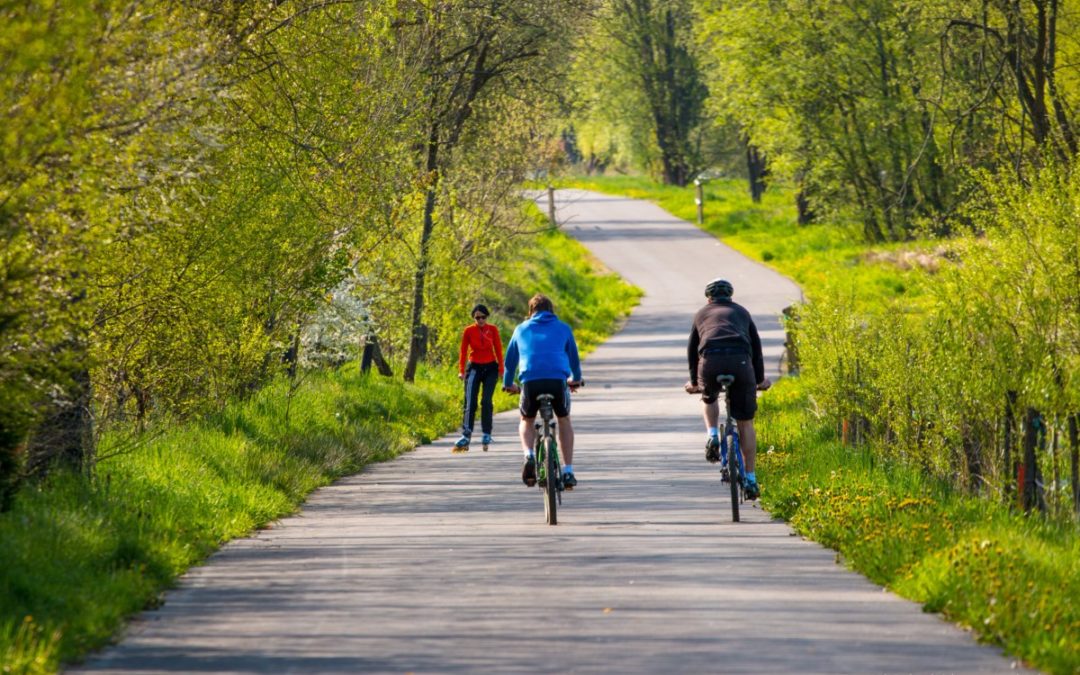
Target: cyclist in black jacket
(724, 341)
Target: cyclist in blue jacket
(547, 353)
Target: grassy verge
(1010, 579)
(80, 556)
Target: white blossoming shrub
(335, 332)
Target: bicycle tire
(551, 488)
(734, 476)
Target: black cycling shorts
(743, 389)
(533, 388)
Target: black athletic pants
(479, 376)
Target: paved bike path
(441, 563)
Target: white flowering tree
(337, 329)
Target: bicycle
(732, 470)
(547, 460)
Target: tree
(1005, 60)
(93, 98)
(643, 85)
(467, 50)
(180, 185)
(838, 96)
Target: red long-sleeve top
(481, 345)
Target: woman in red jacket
(481, 367)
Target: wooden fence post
(372, 352)
(368, 356)
(790, 320)
(551, 206)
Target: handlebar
(724, 381)
(574, 386)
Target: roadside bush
(991, 356)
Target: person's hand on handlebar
(764, 384)
(692, 388)
(512, 389)
(575, 385)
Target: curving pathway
(441, 563)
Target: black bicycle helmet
(719, 288)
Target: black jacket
(725, 327)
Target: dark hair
(540, 303)
(480, 308)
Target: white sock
(528, 452)
(714, 432)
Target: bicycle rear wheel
(551, 489)
(734, 476)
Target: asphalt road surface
(438, 562)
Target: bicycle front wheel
(734, 476)
(551, 489)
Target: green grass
(80, 556)
(1012, 580)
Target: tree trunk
(802, 198)
(416, 348)
(756, 169)
(9, 473)
(971, 444)
(291, 359)
(1032, 497)
(416, 342)
(1029, 91)
(1074, 456)
(1010, 436)
(1065, 128)
(802, 207)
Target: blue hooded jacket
(546, 348)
